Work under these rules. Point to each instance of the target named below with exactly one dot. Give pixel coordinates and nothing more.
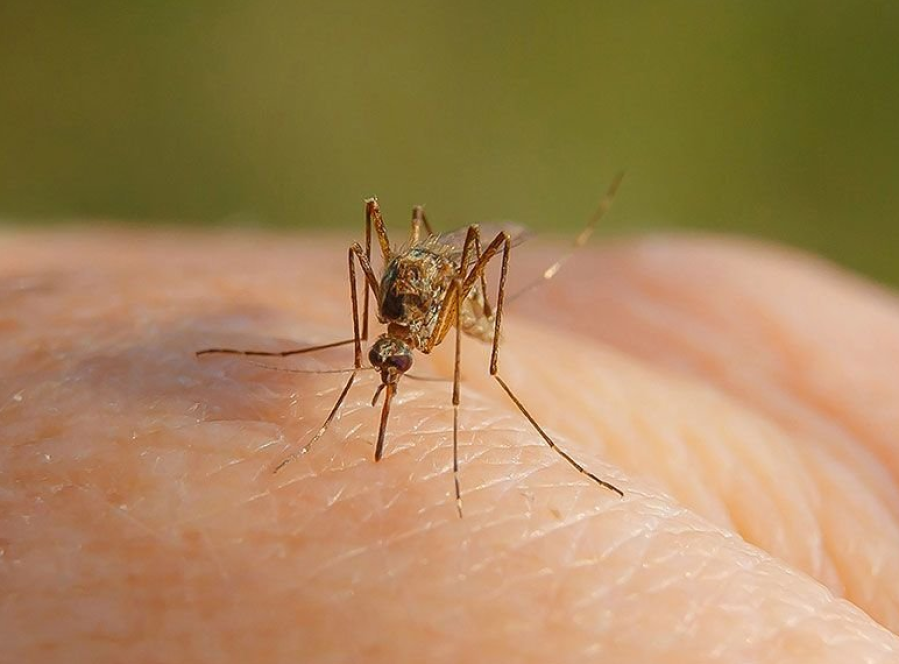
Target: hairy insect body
(413, 289)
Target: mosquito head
(392, 357)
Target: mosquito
(432, 284)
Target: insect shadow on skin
(434, 283)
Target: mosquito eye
(374, 357)
(401, 363)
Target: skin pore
(742, 396)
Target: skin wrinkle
(847, 560)
(688, 621)
(837, 586)
(510, 482)
(791, 505)
(749, 450)
(727, 584)
(836, 554)
(648, 525)
(800, 389)
(671, 300)
(852, 565)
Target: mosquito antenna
(579, 241)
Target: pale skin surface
(746, 400)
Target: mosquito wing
(455, 240)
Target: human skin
(743, 397)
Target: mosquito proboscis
(434, 283)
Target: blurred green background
(776, 119)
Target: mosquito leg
(453, 301)
(321, 430)
(455, 295)
(279, 353)
(579, 241)
(471, 240)
(457, 394)
(488, 310)
(368, 257)
(262, 365)
(449, 299)
(371, 284)
(473, 243)
(424, 220)
(552, 444)
(415, 234)
(370, 279)
(418, 220)
(373, 216)
(353, 251)
(494, 371)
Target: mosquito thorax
(391, 356)
(412, 290)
